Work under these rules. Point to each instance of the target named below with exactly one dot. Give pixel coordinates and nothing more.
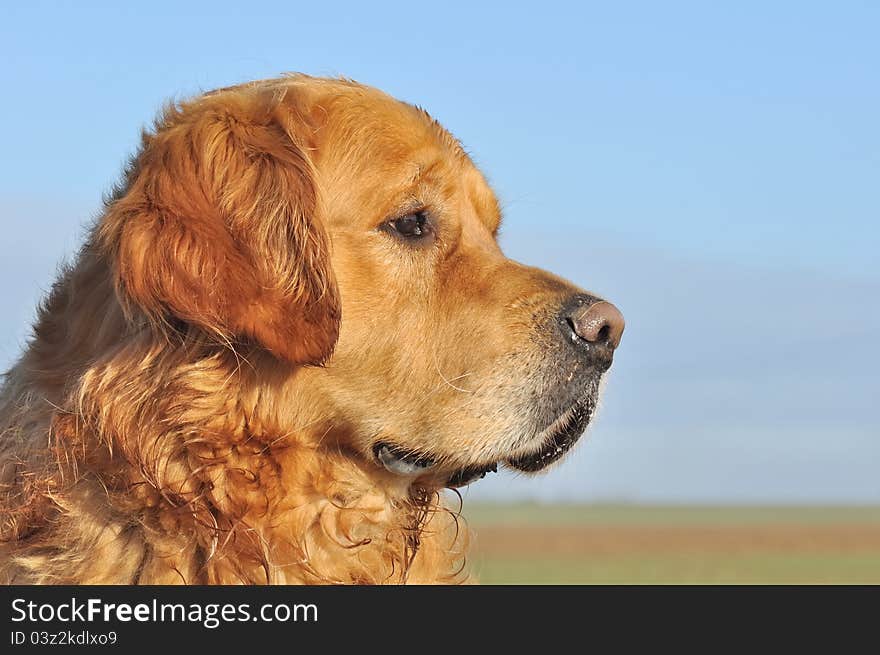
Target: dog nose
(600, 324)
(594, 327)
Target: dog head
(324, 222)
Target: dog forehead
(376, 130)
(360, 132)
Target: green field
(623, 544)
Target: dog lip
(559, 437)
(399, 461)
(408, 464)
(464, 477)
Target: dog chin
(558, 438)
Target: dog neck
(180, 451)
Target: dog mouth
(556, 440)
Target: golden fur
(206, 381)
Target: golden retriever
(290, 329)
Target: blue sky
(712, 169)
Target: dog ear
(216, 226)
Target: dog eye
(413, 226)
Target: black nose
(593, 325)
